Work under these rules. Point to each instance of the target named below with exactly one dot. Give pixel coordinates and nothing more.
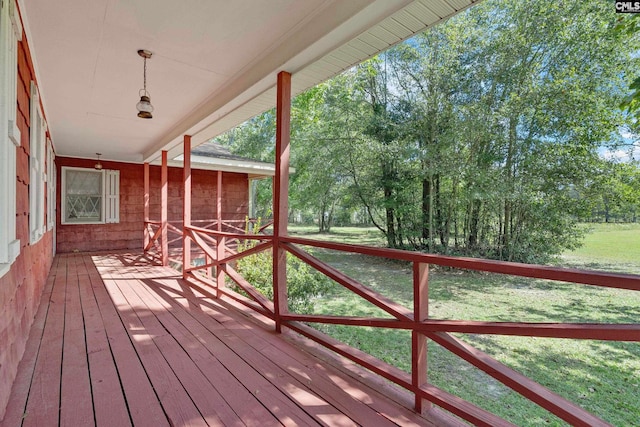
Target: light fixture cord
(145, 76)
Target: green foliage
(484, 127)
(479, 137)
(614, 193)
(304, 285)
(630, 26)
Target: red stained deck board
(159, 351)
(44, 395)
(109, 403)
(142, 402)
(20, 390)
(204, 395)
(176, 402)
(318, 408)
(242, 401)
(368, 408)
(287, 411)
(282, 364)
(76, 405)
(296, 405)
(342, 390)
(331, 388)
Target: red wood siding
(128, 234)
(21, 287)
(235, 194)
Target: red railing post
(146, 206)
(186, 206)
(220, 246)
(164, 196)
(281, 196)
(418, 340)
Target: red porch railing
(153, 231)
(416, 320)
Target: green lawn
(609, 246)
(369, 236)
(602, 377)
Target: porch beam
(146, 205)
(186, 206)
(164, 202)
(419, 340)
(281, 195)
(221, 240)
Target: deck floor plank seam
(290, 366)
(373, 406)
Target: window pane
(83, 196)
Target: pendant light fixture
(144, 105)
(98, 166)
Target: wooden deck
(117, 342)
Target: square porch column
(186, 206)
(281, 195)
(164, 201)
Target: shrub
(304, 284)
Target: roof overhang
(252, 168)
(214, 66)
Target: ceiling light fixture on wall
(98, 165)
(144, 105)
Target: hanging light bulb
(144, 105)
(98, 166)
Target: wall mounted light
(144, 105)
(98, 166)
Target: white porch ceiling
(214, 62)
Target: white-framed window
(51, 186)
(90, 196)
(10, 34)
(37, 176)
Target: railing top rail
(231, 235)
(587, 277)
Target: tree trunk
(509, 179)
(442, 215)
(474, 222)
(330, 218)
(426, 208)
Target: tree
(630, 26)
(317, 148)
(615, 195)
(472, 138)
